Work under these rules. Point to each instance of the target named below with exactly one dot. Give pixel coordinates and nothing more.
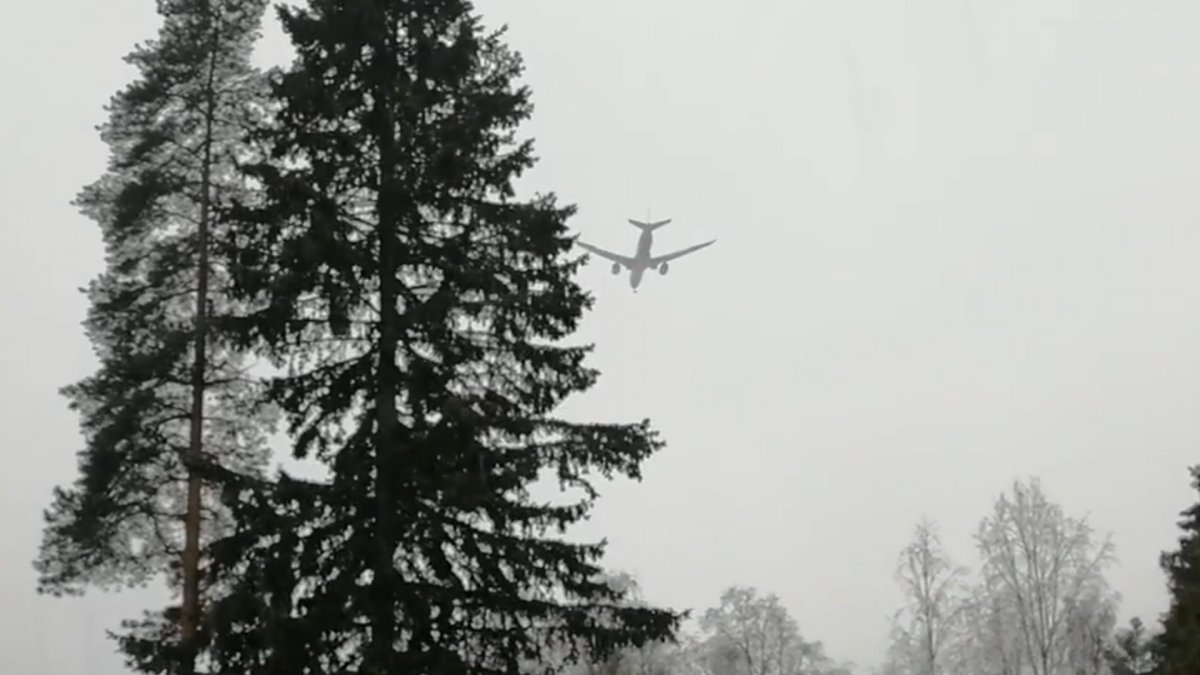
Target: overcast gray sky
(956, 245)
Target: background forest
(1039, 604)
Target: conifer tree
(1176, 648)
(170, 396)
(420, 310)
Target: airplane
(642, 260)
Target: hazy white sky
(956, 245)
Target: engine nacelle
(662, 269)
(616, 268)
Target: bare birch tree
(993, 645)
(1047, 568)
(1091, 624)
(749, 634)
(932, 619)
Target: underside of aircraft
(642, 260)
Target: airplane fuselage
(641, 259)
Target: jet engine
(662, 269)
(616, 268)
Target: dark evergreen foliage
(1177, 646)
(173, 135)
(419, 309)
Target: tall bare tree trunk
(190, 616)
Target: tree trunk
(190, 615)
(383, 615)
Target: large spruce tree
(170, 396)
(419, 309)
(1176, 648)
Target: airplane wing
(658, 260)
(615, 257)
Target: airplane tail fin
(648, 226)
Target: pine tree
(1177, 647)
(170, 396)
(420, 309)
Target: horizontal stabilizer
(648, 226)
